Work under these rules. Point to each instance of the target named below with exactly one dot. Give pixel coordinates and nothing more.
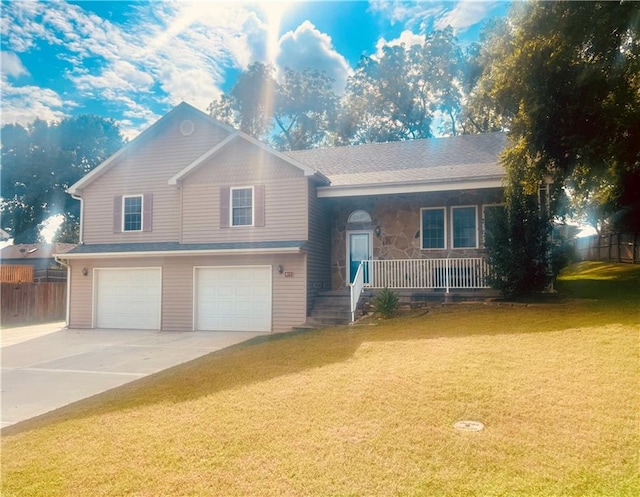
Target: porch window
(465, 227)
(433, 223)
(132, 213)
(241, 206)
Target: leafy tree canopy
(297, 113)
(40, 161)
(395, 96)
(565, 76)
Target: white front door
(234, 298)
(127, 298)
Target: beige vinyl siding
(288, 298)
(318, 247)
(80, 295)
(243, 165)
(146, 169)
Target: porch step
(331, 308)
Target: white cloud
(120, 74)
(423, 16)
(415, 16)
(181, 48)
(407, 38)
(11, 65)
(23, 104)
(464, 15)
(307, 47)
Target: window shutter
(258, 208)
(147, 212)
(224, 207)
(117, 214)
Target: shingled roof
(427, 160)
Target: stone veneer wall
(398, 217)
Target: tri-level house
(196, 226)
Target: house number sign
(288, 274)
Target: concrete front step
(322, 323)
(331, 309)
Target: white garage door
(128, 298)
(233, 298)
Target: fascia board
(198, 162)
(308, 171)
(395, 188)
(163, 253)
(104, 167)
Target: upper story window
(433, 228)
(132, 213)
(242, 206)
(464, 222)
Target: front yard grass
(369, 410)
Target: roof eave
(410, 187)
(198, 162)
(162, 253)
(104, 166)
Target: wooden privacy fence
(49, 275)
(23, 303)
(15, 273)
(614, 247)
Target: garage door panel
(128, 298)
(233, 298)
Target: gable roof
(182, 109)
(239, 135)
(414, 165)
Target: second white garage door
(234, 298)
(128, 298)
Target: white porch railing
(356, 289)
(427, 274)
(447, 274)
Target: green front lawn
(369, 410)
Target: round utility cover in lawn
(468, 425)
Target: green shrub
(385, 303)
(517, 242)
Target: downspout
(68, 306)
(81, 230)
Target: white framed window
(241, 208)
(433, 232)
(132, 213)
(464, 226)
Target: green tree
(40, 161)
(382, 103)
(297, 113)
(396, 96)
(566, 80)
(250, 103)
(517, 235)
(305, 112)
(480, 113)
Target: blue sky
(133, 61)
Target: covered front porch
(443, 274)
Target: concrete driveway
(44, 367)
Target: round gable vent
(187, 127)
